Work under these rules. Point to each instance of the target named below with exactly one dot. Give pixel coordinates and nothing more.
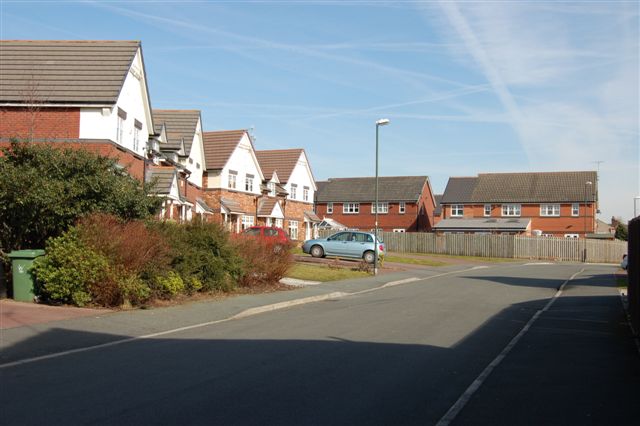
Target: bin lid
(26, 254)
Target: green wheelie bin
(23, 281)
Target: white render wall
(102, 123)
(197, 156)
(302, 177)
(243, 161)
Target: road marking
(456, 408)
(244, 314)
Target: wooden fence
(505, 246)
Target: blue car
(353, 244)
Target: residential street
(399, 349)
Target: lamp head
(382, 122)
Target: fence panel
(506, 246)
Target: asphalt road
(405, 354)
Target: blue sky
(470, 87)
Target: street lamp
(381, 122)
(587, 186)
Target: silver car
(353, 244)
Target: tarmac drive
(395, 349)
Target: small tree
(621, 232)
(44, 190)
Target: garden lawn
(322, 273)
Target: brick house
(232, 179)
(84, 94)
(405, 203)
(290, 188)
(558, 204)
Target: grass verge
(451, 256)
(413, 261)
(322, 273)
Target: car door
(360, 242)
(337, 244)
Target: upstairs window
(233, 179)
(122, 116)
(575, 209)
(487, 210)
(550, 210)
(402, 207)
(137, 126)
(329, 208)
(351, 208)
(511, 210)
(294, 191)
(457, 210)
(272, 188)
(305, 193)
(383, 208)
(248, 183)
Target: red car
(269, 233)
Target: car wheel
(316, 251)
(369, 256)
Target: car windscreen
(252, 231)
(270, 232)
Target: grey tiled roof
(483, 224)
(459, 190)
(180, 125)
(362, 189)
(232, 206)
(266, 206)
(203, 204)
(544, 187)
(312, 216)
(64, 72)
(281, 161)
(163, 178)
(438, 208)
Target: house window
(383, 208)
(247, 221)
(272, 188)
(399, 230)
(305, 193)
(402, 207)
(457, 210)
(351, 208)
(190, 160)
(248, 183)
(511, 210)
(233, 178)
(294, 191)
(487, 210)
(550, 210)
(575, 209)
(136, 139)
(198, 166)
(329, 208)
(293, 229)
(571, 235)
(279, 223)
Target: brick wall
(410, 220)
(44, 123)
(294, 210)
(557, 226)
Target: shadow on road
(564, 371)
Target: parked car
(625, 262)
(273, 233)
(353, 244)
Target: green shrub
(202, 251)
(69, 270)
(134, 291)
(265, 262)
(169, 285)
(45, 189)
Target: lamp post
(587, 185)
(381, 122)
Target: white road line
(456, 408)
